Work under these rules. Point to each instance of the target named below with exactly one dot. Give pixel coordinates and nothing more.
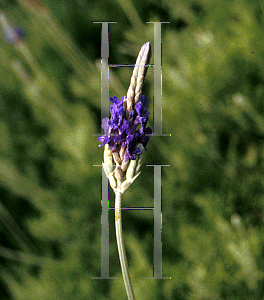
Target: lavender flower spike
(125, 140)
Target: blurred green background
(213, 107)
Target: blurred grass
(213, 92)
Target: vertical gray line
(157, 49)
(157, 223)
(105, 229)
(157, 79)
(104, 72)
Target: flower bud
(134, 165)
(124, 165)
(122, 153)
(118, 173)
(112, 181)
(130, 173)
(109, 165)
(116, 157)
(133, 170)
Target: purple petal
(114, 100)
(105, 125)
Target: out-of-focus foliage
(213, 106)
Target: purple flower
(141, 108)
(122, 133)
(107, 138)
(143, 139)
(105, 126)
(132, 149)
(116, 112)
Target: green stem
(120, 243)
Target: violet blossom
(122, 133)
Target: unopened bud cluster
(116, 171)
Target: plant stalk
(120, 243)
